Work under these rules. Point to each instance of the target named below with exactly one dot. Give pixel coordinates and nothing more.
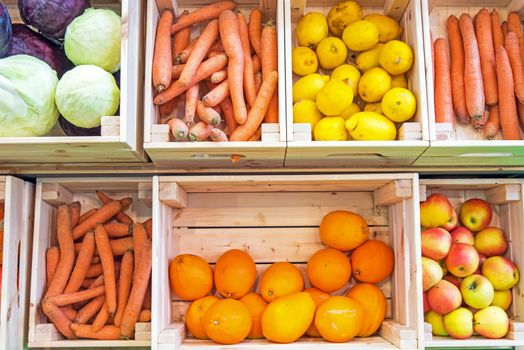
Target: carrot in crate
(507, 105)
(443, 101)
(126, 203)
(162, 56)
(108, 265)
(513, 51)
(227, 109)
(52, 257)
(101, 318)
(514, 25)
(478, 123)
(185, 53)
(487, 56)
(191, 105)
(145, 316)
(76, 297)
(102, 215)
(200, 132)
(216, 95)
(258, 81)
(496, 30)
(59, 319)
(204, 13)
(269, 59)
(218, 135)
(180, 39)
(90, 309)
(117, 230)
(178, 129)
(94, 270)
(249, 77)
(139, 237)
(124, 285)
(108, 332)
(87, 214)
(456, 49)
(148, 224)
(257, 135)
(83, 261)
(492, 127)
(255, 30)
(219, 76)
(177, 70)
(75, 213)
(208, 115)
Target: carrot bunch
(221, 85)
(481, 81)
(98, 276)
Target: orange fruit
(288, 317)
(343, 230)
(279, 279)
(328, 269)
(190, 276)
(373, 301)
(256, 306)
(227, 321)
(372, 262)
(339, 319)
(235, 274)
(196, 312)
(318, 297)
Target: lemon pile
(360, 100)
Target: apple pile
(466, 279)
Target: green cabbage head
(27, 97)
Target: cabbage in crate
(27, 97)
(85, 94)
(94, 38)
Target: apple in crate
(425, 302)
(477, 291)
(453, 279)
(491, 322)
(431, 273)
(462, 259)
(462, 235)
(502, 299)
(437, 323)
(435, 243)
(452, 222)
(444, 297)
(435, 211)
(476, 214)
(502, 273)
(459, 323)
(491, 241)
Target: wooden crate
(50, 193)
(505, 197)
(461, 145)
(17, 197)
(122, 136)
(276, 218)
(412, 139)
(269, 152)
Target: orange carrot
(162, 55)
(108, 265)
(102, 215)
(215, 96)
(90, 309)
(492, 127)
(124, 286)
(59, 319)
(177, 70)
(204, 13)
(227, 109)
(255, 30)
(218, 135)
(69, 312)
(219, 76)
(87, 214)
(185, 53)
(146, 305)
(52, 257)
(138, 291)
(75, 213)
(87, 282)
(199, 132)
(514, 25)
(205, 69)
(443, 100)
(474, 85)
(148, 224)
(496, 30)
(256, 114)
(181, 39)
(204, 42)
(191, 104)
(94, 270)
(478, 123)
(256, 136)
(76, 297)
(487, 56)
(99, 281)
(208, 115)
(108, 332)
(101, 318)
(229, 33)
(249, 77)
(121, 246)
(144, 316)
(116, 229)
(85, 255)
(216, 47)
(139, 237)
(178, 129)
(257, 66)
(67, 252)
(269, 52)
(126, 203)
(513, 51)
(258, 81)
(507, 106)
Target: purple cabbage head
(5, 30)
(51, 17)
(28, 42)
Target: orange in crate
(195, 313)
(256, 306)
(343, 230)
(227, 321)
(318, 297)
(190, 276)
(280, 279)
(328, 270)
(339, 319)
(235, 274)
(372, 262)
(374, 303)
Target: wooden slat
(504, 193)
(399, 335)
(173, 334)
(173, 195)
(56, 194)
(393, 192)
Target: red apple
(435, 211)
(435, 243)
(453, 221)
(501, 272)
(462, 235)
(431, 273)
(426, 303)
(476, 214)
(453, 279)
(491, 241)
(444, 297)
(482, 258)
(462, 259)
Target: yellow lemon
(396, 57)
(331, 52)
(349, 74)
(387, 26)
(374, 84)
(311, 29)
(399, 104)
(334, 98)
(354, 108)
(306, 111)
(308, 87)
(366, 126)
(303, 61)
(373, 107)
(368, 59)
(360, 35)
(330, 129)
(341, 15)
(399, 81)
